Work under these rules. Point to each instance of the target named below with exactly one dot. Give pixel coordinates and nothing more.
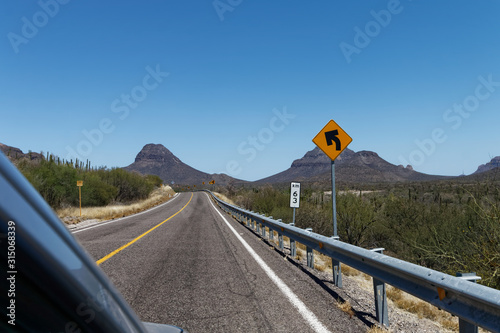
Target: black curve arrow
(332, 137)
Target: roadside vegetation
(448, 226)
(71, 215)
(56, 181)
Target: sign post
(332, 140)
(294, 203)
(79, 183)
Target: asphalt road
(195, 271)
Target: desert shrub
(96, 192)
(355, 218)
(56, 181)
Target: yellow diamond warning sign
(332, 140)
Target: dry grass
(71, 215)
(320, 266)
(349, 271)
(224, 198)
(422, 309)
(300, 254)
(346, 307)
(377, 329)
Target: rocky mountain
(494, 163)
(350, 166)
(155, 159)
(314, 163)
(14, 153)
(314, 166)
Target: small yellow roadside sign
(79, 183)
(332, 140)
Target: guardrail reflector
(441, 293)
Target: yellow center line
(100, 261)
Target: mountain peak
(317, 157)
(362, 166)
(494, 163)
(156, 159)
(14, 153)
(156, 153)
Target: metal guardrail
(474, 304)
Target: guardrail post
(258, 227)
(337, 270)
(280, 237)
(263, 231)
(380, 298)
(309, 253)
(310, 257)
(271, 234)
(293, 246)
(463, 325)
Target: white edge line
(310, 317)
(100, 224)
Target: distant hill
(314, 166)
(360, 167)
(314, 163)
(14, 153)
(494, 163)
(155, 159)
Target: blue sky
(242, 87)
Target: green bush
(96, 192)
(56, 181)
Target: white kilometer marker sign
(311, 319)
(295, 195)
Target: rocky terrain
(361, 167)
(494, 163)
(14, 153)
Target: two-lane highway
(188, 264)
